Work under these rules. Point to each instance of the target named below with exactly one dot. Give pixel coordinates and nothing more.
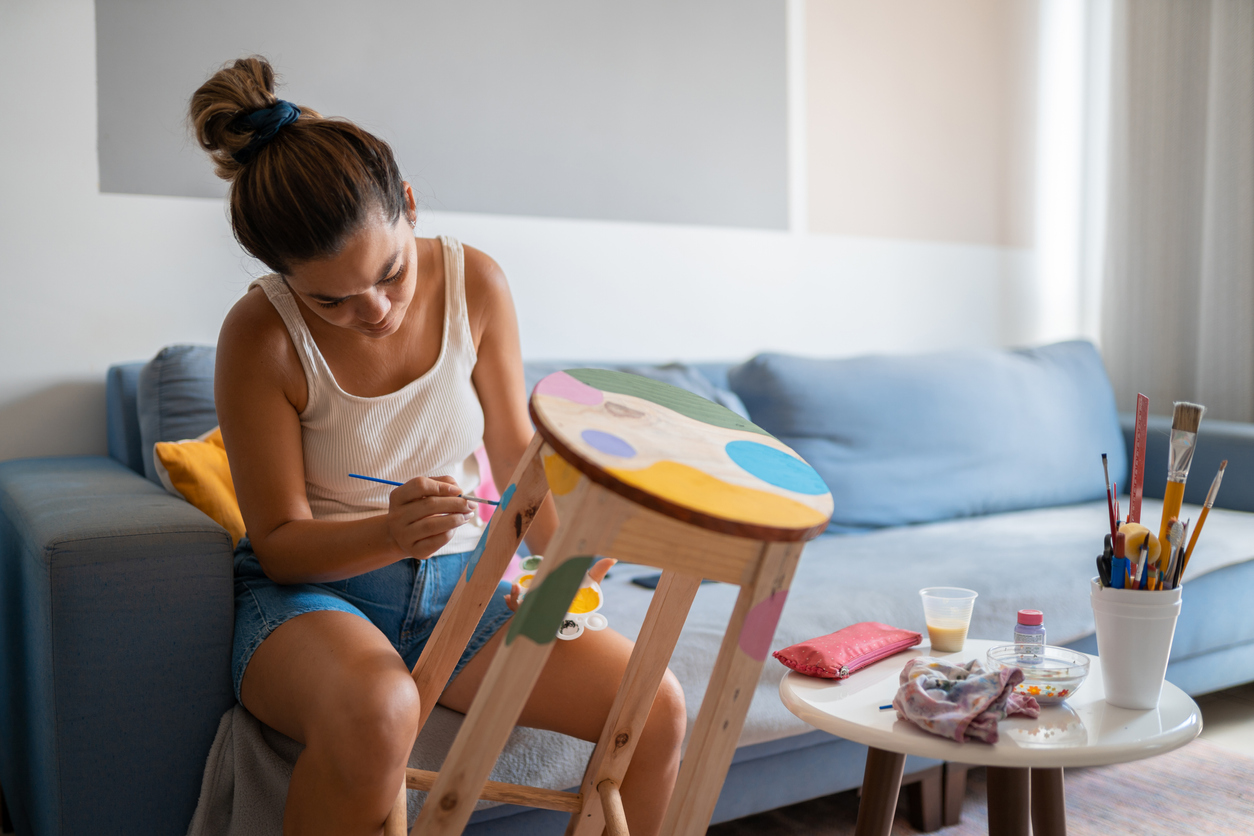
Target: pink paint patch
(487, 487)
(562, 385)
(759, 627)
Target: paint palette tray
(1050, 678)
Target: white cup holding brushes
(1135, 629)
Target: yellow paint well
(562, 477)
(586, 600)
(702, 492)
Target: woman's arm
(498, 378)
(259, 391)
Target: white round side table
(1025, 782)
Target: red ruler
(1138, 458)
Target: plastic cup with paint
(947, 610)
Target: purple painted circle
(608, 443)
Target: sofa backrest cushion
(917, 439)
(122, 415)
(175, 398)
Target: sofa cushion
(917, 439)
(175, 398)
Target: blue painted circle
(775, 467)
(608, 443)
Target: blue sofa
(965, 468)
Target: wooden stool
(646, 473)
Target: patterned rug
(1206, 789)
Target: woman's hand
(424, 512)
(597, 573)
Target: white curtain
(1178, 290)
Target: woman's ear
(411, 205)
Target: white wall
(90, 279)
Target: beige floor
(1227, 720)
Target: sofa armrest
(116, 613)
(1216, 441)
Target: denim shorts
(404, 600)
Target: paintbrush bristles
(1187, 416)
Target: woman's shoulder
(252, 319)
(486, 288)
(253, 334)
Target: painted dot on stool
(561, 385)
(608, 443)
(775, 467)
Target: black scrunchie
(265, 123)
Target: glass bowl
(1051, 678)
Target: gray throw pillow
(175, 398)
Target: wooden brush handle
(1173, 498)
(1193, 540)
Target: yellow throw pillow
(196, 470)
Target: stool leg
(727, 697)
(519, 660)
(1049, 803)
(471, 596)
(395, 824)
(649, 658)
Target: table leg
(1049, 808)
(881, 782)
(1009, 795)
(955, 792)
(924, 791)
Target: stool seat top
(677, 453)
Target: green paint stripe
(672, 397)
(545, 606)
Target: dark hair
(306, 191)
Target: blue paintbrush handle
(372, 479)
(398, 484)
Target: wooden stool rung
(612, 801)
(563, 802)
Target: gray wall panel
(654, 110)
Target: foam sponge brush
(1134, 535)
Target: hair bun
(239, 88)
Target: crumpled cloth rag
(962, 702)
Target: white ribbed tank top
(430, 427)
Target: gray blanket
(249, 766)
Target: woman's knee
(668, 718)
(368, 727)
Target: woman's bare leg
(574, 695)
(332, 681)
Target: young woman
(372, 351)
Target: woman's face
(367, 286)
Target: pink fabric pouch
(837, 655)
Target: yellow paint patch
(586, 600)
(702, 492)
(562, 477)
